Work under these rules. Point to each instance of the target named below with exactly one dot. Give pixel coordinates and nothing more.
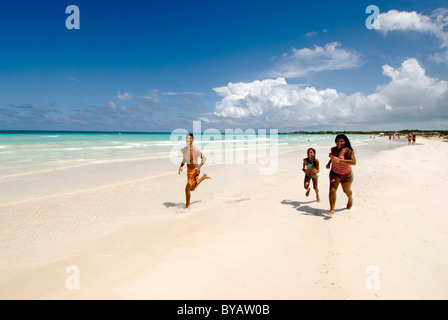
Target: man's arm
(181, 165)
(202, 160)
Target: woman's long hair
(347, 142)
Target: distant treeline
(443, 133)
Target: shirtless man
(190, 157)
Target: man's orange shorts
(192, 175)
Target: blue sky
(160, 65)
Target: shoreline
(50, 180)
(260, 239)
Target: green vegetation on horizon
(443, 133)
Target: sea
(41, 163)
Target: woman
(342, 157)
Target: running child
(311, 169)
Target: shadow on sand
(305, 209)
(179, 205)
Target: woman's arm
(328, 164)
(351, 161)
(352, 158)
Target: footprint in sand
(182, 210)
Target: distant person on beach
(413, 138)
(311, 169)
(190, 157)
(342, 157)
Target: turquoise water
(37, 164)
(33, 151)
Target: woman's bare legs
(334, 184)
(346, 187)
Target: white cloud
(302, 62)
(311, 34)
(150, 99)
(151, 96)
(273, 103)
(186, 93)
(440, 57)
(410, 87)
(112, 105)
(394, 20)
(124, 96)
(314, 33)
(435, 24)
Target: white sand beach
(246, 236)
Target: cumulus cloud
(276, 104)
(394, 20)
(411, 87)
(301, 62)
(435, 24)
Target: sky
(157, 66)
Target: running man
(190, 157)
